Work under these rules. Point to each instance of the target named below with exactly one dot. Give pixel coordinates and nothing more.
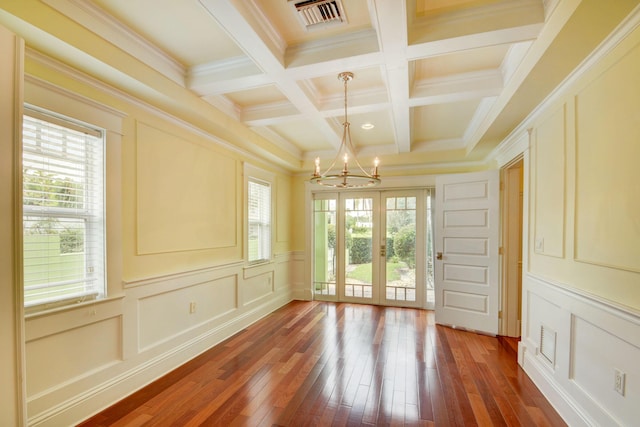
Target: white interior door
(466, 246)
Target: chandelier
(346, 152)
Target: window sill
(46, 309)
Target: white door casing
(467, 237)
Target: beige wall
(175, 237)
(584, 216)
(581, 284)
(176, 222)
(177, 280)
(298, 213)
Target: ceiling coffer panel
(454, 77)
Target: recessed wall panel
(549, 216)
(593, 367)
(257, 287)
(283, 209)
(68, 355)
(607, 171)
(165, 315)
(186, 194)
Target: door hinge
(500, 250)
(500, 314)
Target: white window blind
(259, 218)
(63, 210)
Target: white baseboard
(562, 402)
(146, 332)
(103, 395)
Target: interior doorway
(512, 178)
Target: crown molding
(126, 97)
(623, 30)
(457, 17)
(272, 136)
(96, 20)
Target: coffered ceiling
(441, 81)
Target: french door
(372, 247)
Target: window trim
(45, 96)
(95, 219)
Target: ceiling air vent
(319, 13)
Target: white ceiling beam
(474, 41)
(474, 85)
(212, 86)
(390, 20)
(237, 26)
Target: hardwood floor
(321, 364)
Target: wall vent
(548, 344)
(319, 13)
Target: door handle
(439, 255)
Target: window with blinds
(63, 211)
(259, 218)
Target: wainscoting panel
(99, 349)
(283, 272)
(165, 315)
(256, 288)
(83, 359)
(592, 339)
(301, 288)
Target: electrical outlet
(618, 384)
(192, 307)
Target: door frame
(304, 290)
(512, 226)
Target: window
(259, 220)
(63, 210)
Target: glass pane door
(325, 248)
(373, 247)
(404, 243)
(360, 255)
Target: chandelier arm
(352, 149)
(344, 178)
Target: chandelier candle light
(344, 178)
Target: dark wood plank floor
(322, 364)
